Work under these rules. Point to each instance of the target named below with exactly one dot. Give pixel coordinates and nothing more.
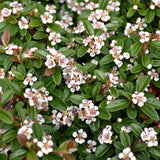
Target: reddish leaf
(5, 37)
(15, 59)
(22, 139)
(49, 72)
(68, 157)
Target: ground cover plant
(79, 80)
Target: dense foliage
(79, 80)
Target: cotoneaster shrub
(79, 80)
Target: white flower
(135, 7)
(50, 62)
(126, 129)
(2, 73)
(105, 136)
(145, 36)
(46, 18)
(139, 98)
(91, 146)
(23, 23)
(126, 55)
(26, 130)
(149, 137)
(29, 79)
(127, 154)
(6, 12)
(80, 136)
(54, 38)
(154, 75)
(51, 8)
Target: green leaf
(112, 26)
(6, 96)
(134, 37)
(95, 90)
(103, 4)
(27, 2)
(91, 157)
(39, 35)
(57, 77)
(38, 85)
(23, 32)
(82, 51)
(106, 60)
(136, 69)
(139, 147)
(104, 114)
(28, 45)
(31, 155)
(154, 102)
(55, 27)
(101, 150)
(130, 12)
(117, 105)
(136, 128)
(125, 140)
(37, 131)
(7, 63)
(113, 92)
(6, 117)
(76, 99)
(100, 75)
(35, 23)
(9, 136)
(146, 60)
(149, 15)
(150, 112)
(68, 52)
(21, 112)
(58, 103)
(41, 53)
(18, 154)
(18, 75)
(132, 112)
(3, 156)
(94, 126)
(136, 49)
(31, 112)
(142, 83)
(155, 44)
(15, 87)
(88, 26)
(129, 87)
(155, 151)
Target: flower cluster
(99, 14)
(106, 135)
(64, 117)
(73, 76)
(149, 137)
(139, 98)
(57, 58)
(38, 98)
(95, 43)
(127, 154)
(88, 111)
